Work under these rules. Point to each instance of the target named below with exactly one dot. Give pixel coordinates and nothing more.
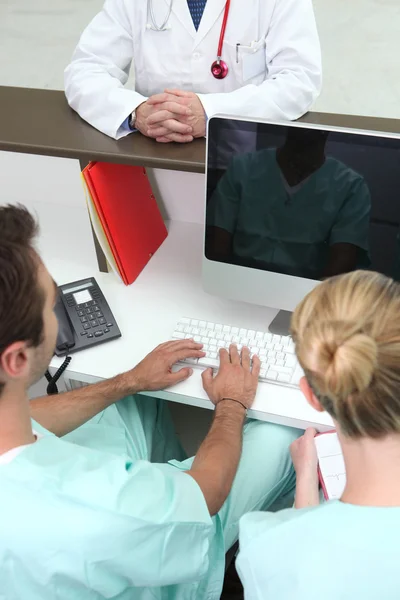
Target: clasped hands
(173, 116)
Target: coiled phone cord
(52, 379)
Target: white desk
(146, 312)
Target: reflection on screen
(305, 202)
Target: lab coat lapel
(181, 11)
(212, 11)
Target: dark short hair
(21, 299)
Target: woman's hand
(305, 462)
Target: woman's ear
(310, 396)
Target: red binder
(128, 213)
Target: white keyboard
(278, 361)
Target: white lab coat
(271, 48)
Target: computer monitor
(290, 204)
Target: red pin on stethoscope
(219, 68)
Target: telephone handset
(84, 317)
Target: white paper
(98, 229)
(331, 464)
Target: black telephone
(84, 317)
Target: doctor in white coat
(267, 52)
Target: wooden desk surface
(41, 122)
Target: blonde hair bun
(343, 358)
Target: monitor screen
(302, 201)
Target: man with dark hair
(93, 501)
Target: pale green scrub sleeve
(352, 221)
(224, 204)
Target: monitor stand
(280, 325)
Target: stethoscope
(219, 68)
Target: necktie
(196, 8)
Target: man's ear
(14, 361)
(310, 396)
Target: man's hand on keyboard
(154, 372)
(236, 378)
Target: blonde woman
(347, 334)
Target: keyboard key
(197, 338)
(221, 344)
(91, 317)
(260, 344)
(228, 338)
(185, 321)
(209, 362)
(191, 361)
(98, 333)
(280, 356)
(280, 369)
(273, 375)
(251, 334)
(259, 335)
(202, 324)
(276, 339)
(204, 332)
(263, 373)
(189, 337)
(290, 360)
(218, 327)
(109, 324)
(204, 340)
(280, 362)
(106, 330)
(243, 333)
(254, 350)
(188, 329)
(212, 335)
(102, 321)
(195, 331)
(226, 329)
(268, 337)
(86, 326)
(83, 332)
(278, 347)
(90, 335)
(235, 330)
(284, 377)
(178, 335)
(99, 314)
(271, 354)
(194, 322)
(210, 326)
(180, 327)
(213, 354)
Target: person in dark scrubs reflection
(291, 209)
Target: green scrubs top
(335, 551)
(81, 524)
(290, 227)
